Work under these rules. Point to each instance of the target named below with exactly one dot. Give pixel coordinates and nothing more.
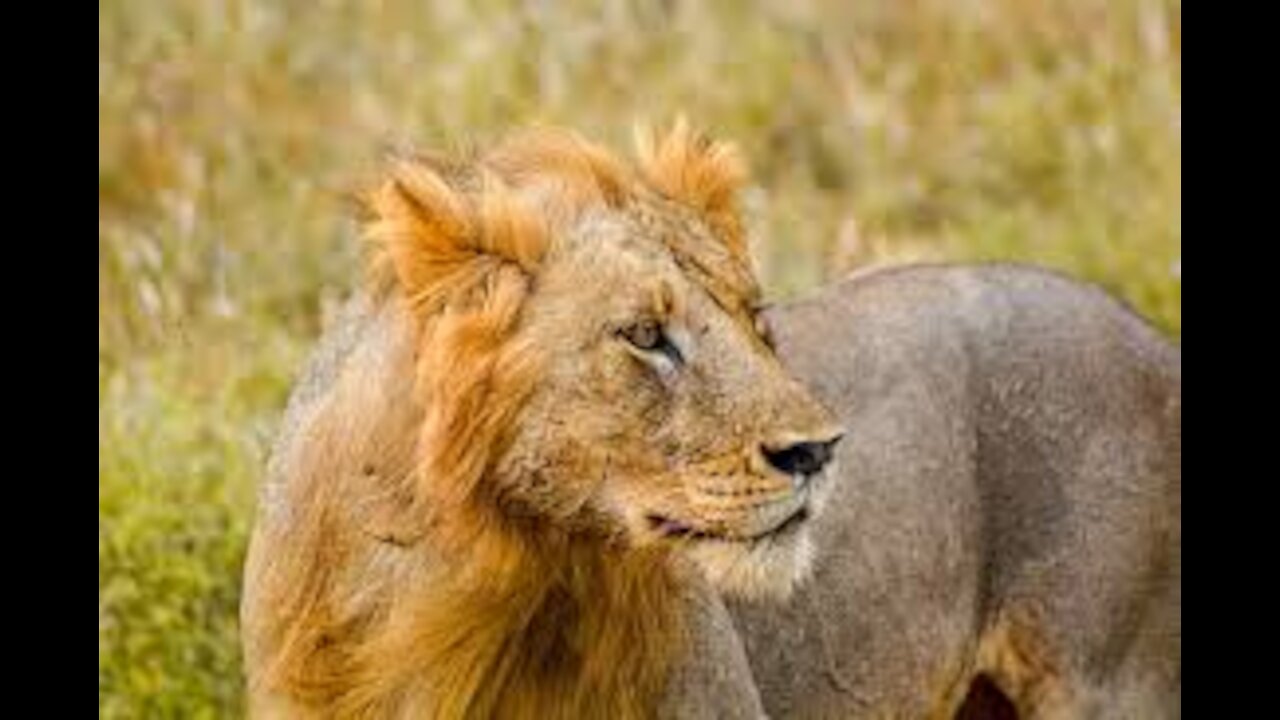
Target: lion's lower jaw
(769, 569)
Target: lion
(558, 459)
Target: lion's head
(592, 356)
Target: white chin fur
(768, 569)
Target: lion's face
(590, 353)
(664, 415)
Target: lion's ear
(437, 242)
(704, 174)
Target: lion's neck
(538, 626)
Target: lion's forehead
(656, 235)
(700, 256)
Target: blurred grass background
(1042, 130)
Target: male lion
(552, 463)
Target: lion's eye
(648, 336)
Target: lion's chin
(769, 568)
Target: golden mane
(523, 618)
(706, 175)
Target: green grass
(229, 132)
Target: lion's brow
(700, 255)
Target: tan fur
(1004, 535)
(464, 533)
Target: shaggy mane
(504, 616)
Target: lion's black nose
(802, 458)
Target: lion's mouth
(673, 528)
